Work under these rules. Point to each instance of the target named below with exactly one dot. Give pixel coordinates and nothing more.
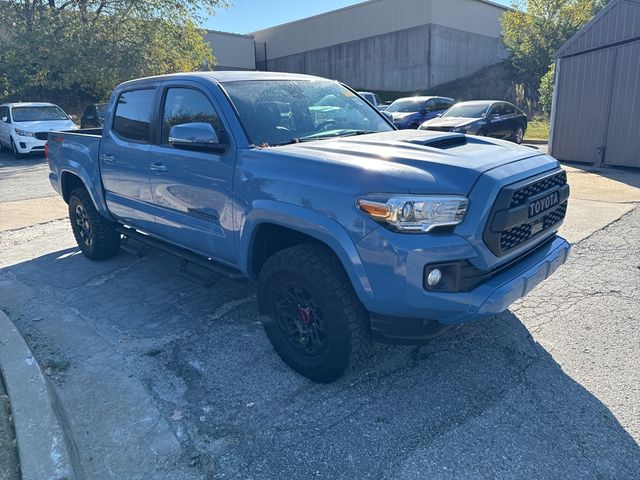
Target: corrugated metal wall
(623, 133)
(596, 113)
(582, 96)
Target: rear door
(192, 188)
(125, 158)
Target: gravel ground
(9, 469)
(164, 379)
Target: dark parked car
(488, 118)
(411, 112)
(93, 116)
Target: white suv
(24, 126)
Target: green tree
(546, 90)
(77, 51)
(535, 29)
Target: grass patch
(538, 129)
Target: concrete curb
(535, 141)
(42, 444)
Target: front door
(125, 159)
(5, 127)
(192, 188)
(496, 122)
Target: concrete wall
(411, 59)
(232, 51)
(379, 17)
(393, 45)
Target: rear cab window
(132, 118)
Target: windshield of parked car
(38, 114)
(467, 111)
(278, 112)
(406, 106)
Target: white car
(24, 126)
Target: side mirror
(196, 136)
(5, 119)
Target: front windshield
(406, 106)
(278, 112)
(467, 111)
(38, 114)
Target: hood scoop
(441, 142)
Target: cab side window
(185, 105)
(132, 119)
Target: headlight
(459, 129)
(24, 133)
(409, 213)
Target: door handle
(158, 167)
(107, 158)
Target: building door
(623, 137)
(580, 124)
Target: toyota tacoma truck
(353, 230)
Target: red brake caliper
(304, 314)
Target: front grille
(440, 129)
(509, 226)
(42, 135)
(515, 236)
(521, 196)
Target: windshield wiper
(311, 138)
(338, 134)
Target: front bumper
(29, 144)
(403, 311)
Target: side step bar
(186, 256)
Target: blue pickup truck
(354, 231)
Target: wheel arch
(272, 228)
(70, 180)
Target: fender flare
(315, 225)
(96, 195)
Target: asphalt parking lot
(161, 378)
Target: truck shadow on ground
(485, 400)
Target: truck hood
(46, 126)
(407, 160)
(450, 122)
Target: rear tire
(96, 236)
(518, 135)
(316, 323)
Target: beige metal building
(392, 45)
(232, 51)
(596, 108)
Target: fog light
(434, 277)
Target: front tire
(96, 236)
(316, 323)
(16, 154)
